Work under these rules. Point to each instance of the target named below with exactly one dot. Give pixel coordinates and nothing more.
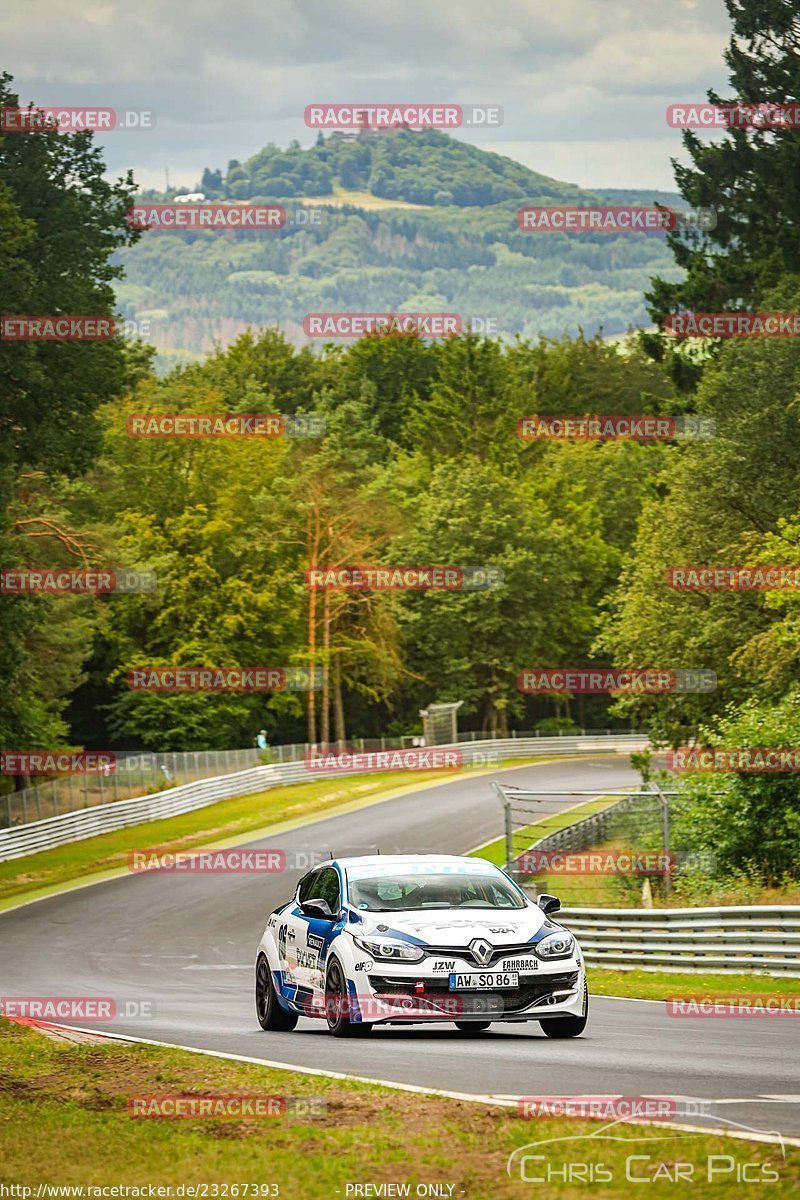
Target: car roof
(384, 860)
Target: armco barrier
(763, 938)
(105, 818)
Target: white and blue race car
(395, 939)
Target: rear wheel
(471, 1028)
(269, 1012)
(568, 1027)
(337, 1006)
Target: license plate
(471, 980)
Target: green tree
(60, 224)
(749, 177)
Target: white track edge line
(470, 1097)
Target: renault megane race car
(397, 939)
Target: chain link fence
(619, 852)
(141, 773)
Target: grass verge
(660, 985)
(65, 1122)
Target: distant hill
(458, 249)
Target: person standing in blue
(261, 739)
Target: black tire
(337, 1006)
(567, 1027)
(471, 1028)
(270, 1015)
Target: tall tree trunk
(325, 731)
(312, 539)
(339, 731)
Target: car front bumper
(386, 992)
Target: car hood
(452, 927)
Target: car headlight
(555, 945)
(389, 950)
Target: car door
(314, 934)
(291, 933)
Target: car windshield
(384, 893)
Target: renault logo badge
(481, 951)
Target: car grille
(465, 952)
(513, 999)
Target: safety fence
(763, 939)
(32, 836)
(142, 772)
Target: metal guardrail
(764, 939)
(105, 818)
(142, 772)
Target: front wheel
(567, 1027)
(337, 1006)
(269, 1012)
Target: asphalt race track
(186, 943)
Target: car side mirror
(548, 904)
(317, 908)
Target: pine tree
(751, 176)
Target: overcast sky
(583, 83)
